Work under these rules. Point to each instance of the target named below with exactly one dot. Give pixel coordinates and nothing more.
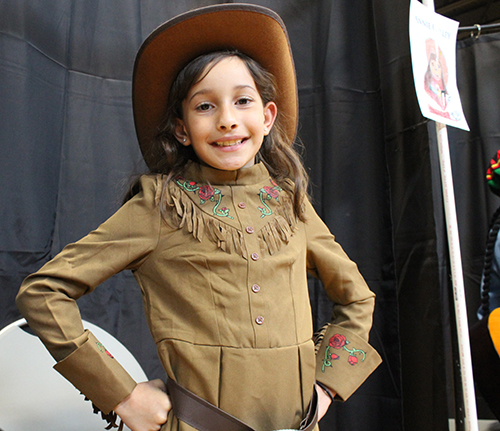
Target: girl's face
(435, 69)
(224, 118)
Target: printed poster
(433, 47)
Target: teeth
(228, 143)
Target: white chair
(34, 397)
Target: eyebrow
(238, 87)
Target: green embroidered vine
(103, 349)
(206, 193)
(266, 194)
(339, 342)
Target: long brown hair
(277, 153)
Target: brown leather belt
(203, 416)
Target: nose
(227, 119)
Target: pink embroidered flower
(206, 192)
(353, 360)
(271, 191)
(338, 341)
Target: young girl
(220, 237)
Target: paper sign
(433, 45)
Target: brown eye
(243, 101)
(204, 107)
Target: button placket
(250, 223)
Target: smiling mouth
(228, 143)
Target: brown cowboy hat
(253, 30)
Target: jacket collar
(246, 176)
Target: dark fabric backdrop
(69, 148)
(479, 83)
(478, 63)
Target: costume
(223, 277)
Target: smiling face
(224, 118)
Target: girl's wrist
(326, 390)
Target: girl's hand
(324, 401)
(146, 408)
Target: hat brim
(253, 30)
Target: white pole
(467, 378)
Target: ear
(270, 113)
(180, 132)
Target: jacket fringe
(111, 418)
(275, 234)
(181, 212)
(319, 336)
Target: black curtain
(69, 148)
(478, 62)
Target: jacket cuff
(92, 363)
(344, 361)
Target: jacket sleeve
(47, 298)
(344, 358)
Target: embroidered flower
(206, 192)
(340, 342)
(272, 191)
(266, 194)
(103, 349)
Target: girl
(220, 236)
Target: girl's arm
(344, 357)
(48, 298)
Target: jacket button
(255, 288)
(242, 205)
(259, 320)
(249, 229)
(255, 256)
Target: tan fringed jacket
(224, 283)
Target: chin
(232, 166)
